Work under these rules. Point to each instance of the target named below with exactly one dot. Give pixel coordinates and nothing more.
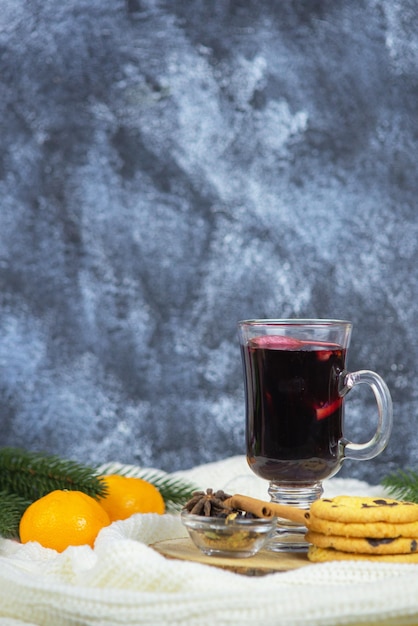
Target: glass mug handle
(370, 449)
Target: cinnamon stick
(266, 509)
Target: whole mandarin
(63, 518)
(127, 495)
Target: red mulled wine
(294, 410)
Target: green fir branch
(32, 475)
(26, 476)
(12, 508)
(402, 485)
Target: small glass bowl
(217, 536)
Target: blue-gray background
(168, 168)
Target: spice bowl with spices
(219, 530)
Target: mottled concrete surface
(168, 168)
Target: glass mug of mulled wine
(295, 381)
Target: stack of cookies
(362, 528)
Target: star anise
(209, 504)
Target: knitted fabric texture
(124, 581)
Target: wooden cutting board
(262, 563)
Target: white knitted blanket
(124, 581)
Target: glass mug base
(289, 536)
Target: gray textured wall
(168, 168)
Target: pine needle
(402, 485)
(32, 475)
(12, 508)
